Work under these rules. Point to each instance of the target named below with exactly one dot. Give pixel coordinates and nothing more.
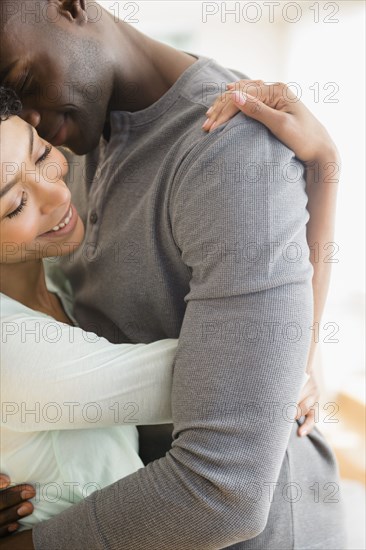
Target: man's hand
(19, 541)
(13, 505)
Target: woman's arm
(322, 177)
(58, 377)
(289, 120)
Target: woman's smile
(66, 225)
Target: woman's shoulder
(20, 328)
(12, 310)
(56, 283)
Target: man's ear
(74, 10)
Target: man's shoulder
(238, 136)
(243, 149)
(208, 81)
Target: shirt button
(93, 218)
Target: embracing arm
(244, 341)
(55, 376)
(322, 177)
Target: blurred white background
(319, 46)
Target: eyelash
(47, 151)
(23, 202)
(20, 207)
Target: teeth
(64, 223)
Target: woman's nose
(52, 196)
(31, 116)
(55, 201)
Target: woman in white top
(71, 400)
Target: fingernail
(13, 527)
(304, 432)
(213, 126)
(209, 111)
(240, 97)
(26, 494)
(205, 123)
(23, 510)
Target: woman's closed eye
(23, 202)
(43, 157)
(19, 208)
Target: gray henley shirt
(203, 237)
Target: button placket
(105, 175)
(93, 218)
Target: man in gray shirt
(190, 235)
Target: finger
(207, 124)
(4, 481)
(7, 529)
(211, 117)
(242, 83)
(299, 413)
(273, 95)
(302, 409)
(304, 406)
(216, 108)
(15, 495)
(308, 404)
(12, 515)
(307, 425)
(226, 114)
(255, 88)
(219, 103)
(255, 108)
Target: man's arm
(277, 107)
(236, 206)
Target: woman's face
(37, 218)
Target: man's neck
(146, 71)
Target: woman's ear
(74, 10)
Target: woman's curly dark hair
(10, 103)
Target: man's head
(60, 63)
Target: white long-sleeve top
(70, 403)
